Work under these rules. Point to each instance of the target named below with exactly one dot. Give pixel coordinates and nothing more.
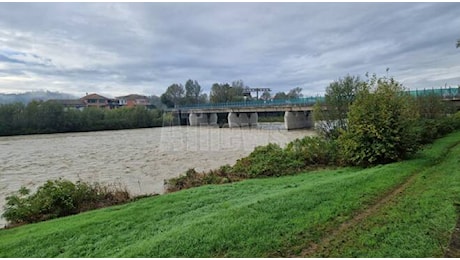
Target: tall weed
(60, 198)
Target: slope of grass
(253, 218)
(418, 223)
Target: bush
(381, 125)
(265, 161)
(428, 129)
(314, 151)
(268, 160)
(193, 178)
(431, 129)
(456, 120)
(60, 198)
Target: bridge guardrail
(256, 103)
(446, 93)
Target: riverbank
(404, 209)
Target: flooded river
(139, 159)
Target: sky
(117, 49)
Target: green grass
(418, 223)
(268, 217)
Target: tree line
(43, 117)
(192, 94)
(39, 117)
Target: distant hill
(33, 95)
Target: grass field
(404, 209)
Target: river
(139, 159)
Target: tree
(156, 102)
(458, 43)
(203, 98)
(11, 118)
(173, 95)
(431, 106)
(280, 95)
(266, 95)
(331, 116)
(192, 92)
(51, 117)
(434, 121)
(382, 124)
(221, 93)
(295, 93)
(238, 84)
(237, 91)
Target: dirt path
(313, 248)
(392, 194)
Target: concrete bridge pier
(298, 119)
(199, 119)
(242, 119)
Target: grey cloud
(129, 47)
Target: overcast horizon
(115, 49)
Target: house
(95, 100)
(133, 100)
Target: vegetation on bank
(362, 123)
(39, 117)
(272, 217)
(60, 198)
(265, 161)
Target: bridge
(297, 112)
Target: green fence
(446, 93)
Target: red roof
(132, 97)
(93, 96)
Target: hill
(33, 95)
(404, 209)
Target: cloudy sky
(122, 48)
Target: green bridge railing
(445, 93)
(256, 103)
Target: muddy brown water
(139, 159)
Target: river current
(139, 159)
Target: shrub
(60, 198)
(381, 125)
(264, 161)
(456, 120)
(193, 178)
(268, 160)
(314, 151)
(430, 129)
